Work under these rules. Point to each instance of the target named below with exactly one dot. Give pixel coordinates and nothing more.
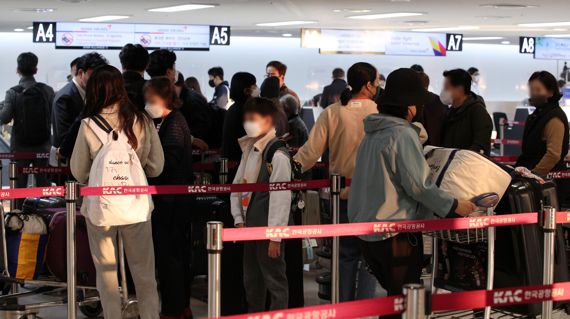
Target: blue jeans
(355, 282)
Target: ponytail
(358, 76)
(346, 95)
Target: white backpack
(116, 165)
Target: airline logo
(479, 222)
(278, 187)
(52, 191)
(197, 189)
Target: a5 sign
(220, 35)
(44, 32)
(526, 45)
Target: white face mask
(446, 97)
(252, 129)
(256, 92)
(153, 110)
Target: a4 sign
(44, 32)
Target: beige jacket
(87, 145)
(340, 129)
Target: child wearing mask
(264, 160)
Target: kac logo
(507, 296)
(277, 233)
(385, 228)
(479, 222)
(399, 304)
(113, 190)
(52, 191)
(197, 189)
(278, 187)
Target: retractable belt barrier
(24, 155)
(392, 305)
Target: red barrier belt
(500, 297)
(24, 155)
(208, 152)
(563, 217)
(506, 142)
(559, 175)
(203, 189)
(358, 229)
(32, 192)
(44, 170)
(504, 159)
(354, 309)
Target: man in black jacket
(332, 92)
(194, 105)
(70, 100)
(433, 114)
(467, 124)
(221, 88)
(134, 60)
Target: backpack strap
(101, 128)
(272, 147)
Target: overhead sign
(220, 35)
(72, 35)
(44, 32)
(339, 41)
(416, 43)
(526, 45)
(552, 48)
(454, 42)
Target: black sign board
(44, 32)
(220, 35)
(454, 42)
(526, 45)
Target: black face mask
(538, 101)
(211, 83)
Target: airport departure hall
(285, 159)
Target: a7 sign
(454, 42)
(44, 32)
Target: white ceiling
(242, 15)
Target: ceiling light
(184, 7)
(459, 28)
(505, 42)
(545, 24)
(287, 35)
(36, 10)
(385, 15)
(284, 23)
(30, 27)
(559, 29)
(557, 35)
(104, 18)
(507, 6)
(481, 38)
(337, 10)
(18, 30)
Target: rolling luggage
(56, 259)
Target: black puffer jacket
(469, 126)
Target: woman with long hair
(107, 98)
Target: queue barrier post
(414, 301)
(71, 199)
(549, 229)
(335, 210)
(223, 170)
(502, 124)
(490, 260)
(214, 245)
(12, 177)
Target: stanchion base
(131, 309)
(17, 314)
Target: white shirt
(79, 88)
(248, 172)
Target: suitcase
(518, 249)
(34, 204)
(56, 259)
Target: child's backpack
(297, 196)
(116, 165)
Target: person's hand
(240, 225)
(274, 250)
(200, 144)
(465, 207)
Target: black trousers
(395, 261)
(171, 231)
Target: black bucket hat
(403, 88)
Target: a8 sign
(44, 32)
(526, 45)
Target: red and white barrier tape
(505, 159)
(24, 155)
(32, 192)
(353, 309)
(374, 228)
(506, 142)
(203, 189)
(392, 305)
(512, 123)
(44, 170)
